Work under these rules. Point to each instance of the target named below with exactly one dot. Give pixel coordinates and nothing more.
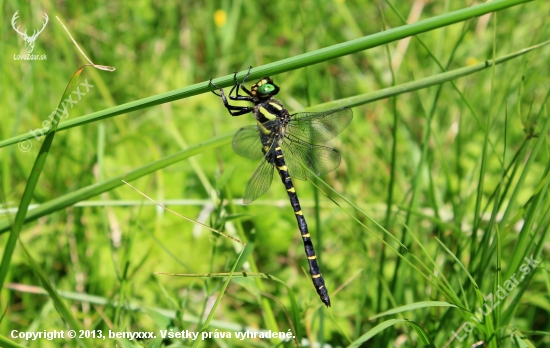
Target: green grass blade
(374, 331)
(412, 307)
(518, 257)
(421, 83)
(422, 334)
(393, 168)
(389, 323)
(32, 181)
(94, 190)
(474, 247)
(4, 342)
(60, 306)
(219, 298)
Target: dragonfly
(289, 143)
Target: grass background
(436, 155)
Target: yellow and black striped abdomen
(314, 270)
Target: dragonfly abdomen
(314, 270)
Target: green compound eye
(266, 89)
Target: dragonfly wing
(319, 126)
(299, 154)
(246, 143)
(259, 182)
(293, 161)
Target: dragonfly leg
(217, 87)
(238, 85)
(238, 110)
(233, 110)
(247, 74)
(242, 83)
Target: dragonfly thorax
(269, 110)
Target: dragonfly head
(264, 89)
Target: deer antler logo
(29, 40)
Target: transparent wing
(299, 154)
(259, 182)
(319, 126)
(246, 143)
